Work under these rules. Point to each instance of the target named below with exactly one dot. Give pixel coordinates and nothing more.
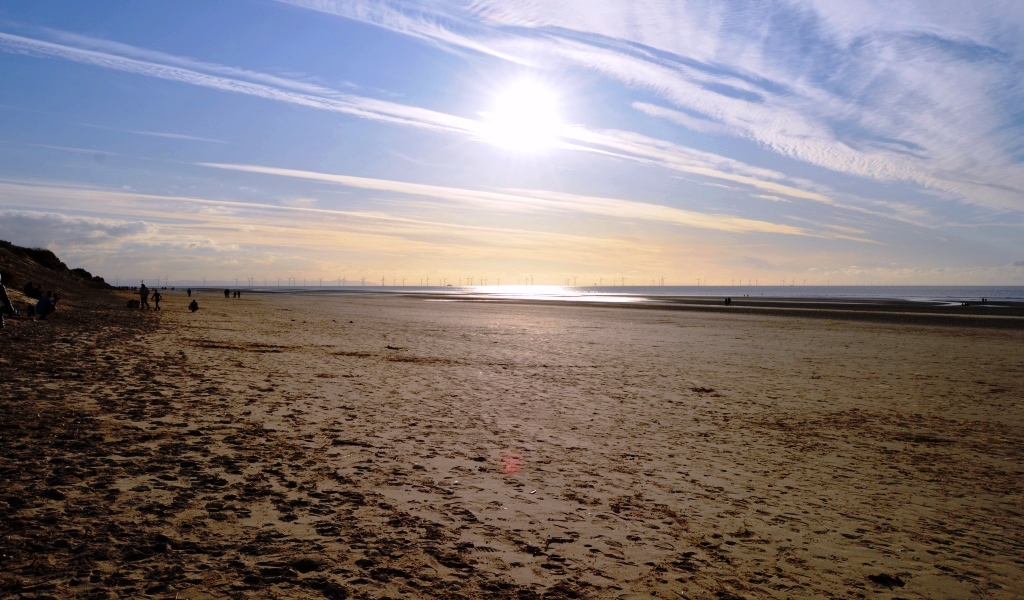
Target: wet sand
(305, 447)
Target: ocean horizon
(915, 293)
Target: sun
(524, 118)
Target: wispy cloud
(620, 144)
(923, 94)
(44, 229)
(428, 21)
(367, 108)
(641, 148)
(299, 202)
(180, 219)
(696, 121)
(169, 135)
(104, 46)
(536, 200)
(72, 149)
(161, 134)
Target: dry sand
(371, 447)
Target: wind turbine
(574, 281)
(321, 282)
(382, 281)
(204, 280)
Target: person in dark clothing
(5, 303)
(143, 296)
(193, 306)
(156, 299)
(33, 292)
(47, 305)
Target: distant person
(193, 306)
(227, 293)
(33, 292)
(47, 305)
(156, 299)
(5, 301)
(143, 296)
(189, 292)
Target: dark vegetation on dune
(42, 267)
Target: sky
(591, 141)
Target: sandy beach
(293, 446)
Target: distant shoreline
(995, 314)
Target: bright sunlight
(524, 118)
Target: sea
(929, 294)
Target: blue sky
(858, 142)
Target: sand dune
(298, 447)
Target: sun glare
(524, 118)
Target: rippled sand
(305, 447)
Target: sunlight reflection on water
(538, 292)
(655, 294)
